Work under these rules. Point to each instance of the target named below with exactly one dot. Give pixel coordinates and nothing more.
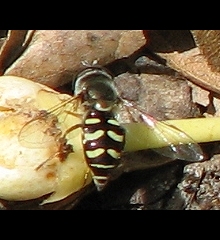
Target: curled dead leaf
(54, 57)
(13, 46)
(194, 55)
(179, 49)
(208, 43)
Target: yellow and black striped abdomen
(103, 141)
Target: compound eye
(101, 91)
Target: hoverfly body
(103, 136)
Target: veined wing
(43, 127)
(177, 144)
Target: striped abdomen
(103, 141)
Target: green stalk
(139, 136)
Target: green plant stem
(139, 136)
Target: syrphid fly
(103, 136)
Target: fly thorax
(100, 94)
(96, 86)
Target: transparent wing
(37, 132)
(43, 127)
(181, 146)
(178, 145)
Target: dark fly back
(103, 137)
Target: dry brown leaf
(179, 50)
(55, 56)
(208, 43)
(13, 46)
(194, 66)
(193, 56)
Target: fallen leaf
(53, 57)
